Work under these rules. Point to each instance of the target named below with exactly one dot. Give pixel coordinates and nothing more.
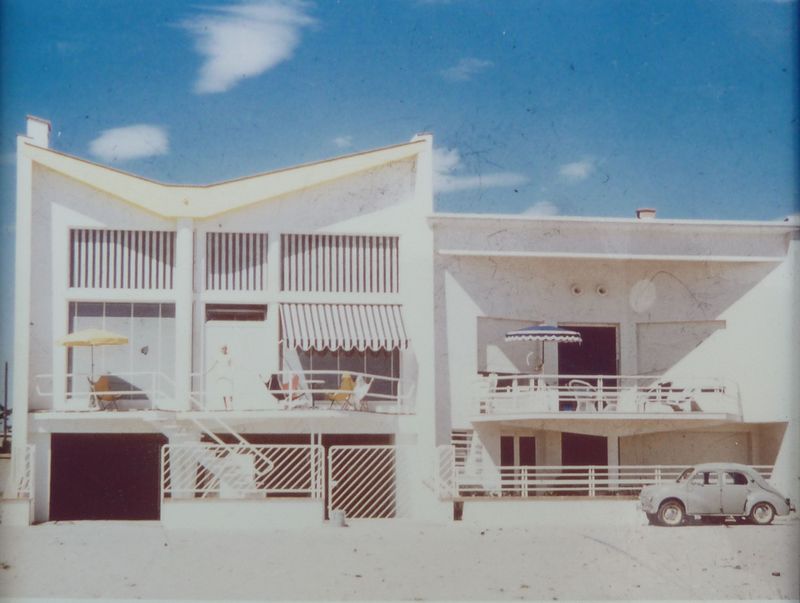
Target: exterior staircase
(226, 470)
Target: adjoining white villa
(268, 350)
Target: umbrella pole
(91, 371)
(541, 357)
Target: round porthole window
(576, 289)
(602, 290)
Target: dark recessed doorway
(105, 476)
(595, 355)
(581, 449)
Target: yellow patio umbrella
(92, 338)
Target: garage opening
(105, 476)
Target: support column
(273, 309)
(552, 448)
(41, 477)
(22, 290)
(60, 317)
(184, 299)
(613, 462)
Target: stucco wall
(728, 321)
(686, 448)
(379, 201)
(58, 204)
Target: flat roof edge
(439, 218)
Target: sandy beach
(392, 560)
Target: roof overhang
(621, 424)
(611, 239)
(205, 201)
(629, 257)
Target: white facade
(706, 308)
(341, 268)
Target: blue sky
(574, 108)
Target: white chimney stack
(38, 131)
(645, 213)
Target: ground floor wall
(116, 474)
(752, 444)
(688, 448)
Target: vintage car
(714, 490)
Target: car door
(703, 493)
(735, 487)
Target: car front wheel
(762, 514)
(671, 513)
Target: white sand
(401, 560)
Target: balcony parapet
(604, 395)
(235, 391)
(309, 390)
(476, 479)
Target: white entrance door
(248, 348)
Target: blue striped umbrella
(541, 334)
(544, 333)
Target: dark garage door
(105, 476)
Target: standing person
(222, 368)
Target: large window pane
(150, 329)
(382, 363)
(115, 359)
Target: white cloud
(343, 142)
(245, 40)
(465, 69)
(130, 142)
(542, 208)
(578, 170)
(448, 161)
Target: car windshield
(685, 475)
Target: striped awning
(343, 327)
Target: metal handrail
(588, 480)
(498, 394)
(322, 395)
(154, 393)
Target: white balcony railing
(199, 470)
(316, 390)
(132, 390)
(533, 394)
(20, 479)
(312, 389)
(539, 480)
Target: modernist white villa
(270, 349)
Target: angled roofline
(204, 201)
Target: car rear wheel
(762, 514)
(671, 513)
